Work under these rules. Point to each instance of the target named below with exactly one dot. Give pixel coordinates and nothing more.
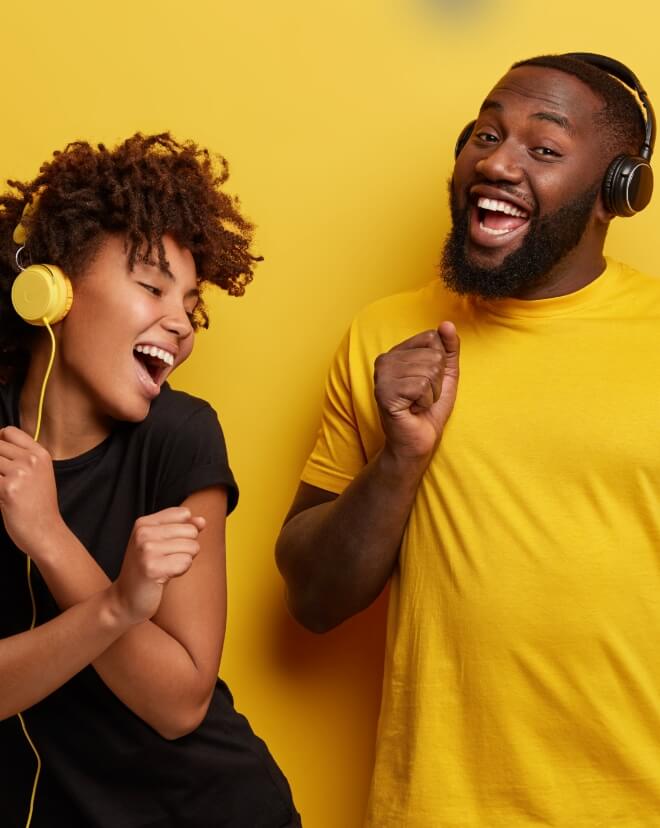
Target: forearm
(336, 557)
(35, 663)
(147, 668)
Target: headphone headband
(622, 73)
(628, 181)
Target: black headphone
(628, 181)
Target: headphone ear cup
(463, 138)
(42, 292)
(628, 185)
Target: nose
(501, 163)
(176, 321)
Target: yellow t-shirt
(522, 677)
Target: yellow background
(338, 119)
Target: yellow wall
(338, 118)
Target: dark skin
(535, 147)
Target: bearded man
(515, 510)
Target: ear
(601, 213)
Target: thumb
(452, 346)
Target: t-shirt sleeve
(338, 454)
(195, 458)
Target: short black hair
(621, 120)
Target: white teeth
(159, 353)
(493, 231)
(500, 207)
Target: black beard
(545, 243)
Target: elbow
(310, 614)
(183, 724)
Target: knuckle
(150, 570)
(141, 535)
(149, 548)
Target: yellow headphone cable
(29, 562)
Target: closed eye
(151, 288)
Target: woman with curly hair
(112, 595)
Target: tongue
(501, 221)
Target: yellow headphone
(41, 292)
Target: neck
(576, 270)
(69, 425)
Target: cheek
(186, 349)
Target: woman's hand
(162, 546)
(28, 497)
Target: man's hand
(162, 546)
(28, 497)
(415, 388)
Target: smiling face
(125, 333)
(524, 194)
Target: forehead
(531, 88)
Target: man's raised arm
(336, 553)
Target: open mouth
(496, 222)
(499, 217)
(155, 363)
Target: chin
(133, 412)
(487, 259)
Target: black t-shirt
(103, 767)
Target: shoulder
(636, 292)
(631, 275)
(176, 408)
(401, 315)
(184, 446)
(179, 422)
(395, 318)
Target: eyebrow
(553, 117)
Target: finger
(449, 336)
(152, 551)
(11, 451)
(426, 339)
(452, 344)
(199, 521)
(173, 514)
(6, 466)
(431, 368)
(410, 391)
(17, 437)
(167, 531)
(172, 567)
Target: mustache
(505, 187)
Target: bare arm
(35, 663)
(337, 553)
(164, 669)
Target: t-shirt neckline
(597, 290)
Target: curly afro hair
(147, 187)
